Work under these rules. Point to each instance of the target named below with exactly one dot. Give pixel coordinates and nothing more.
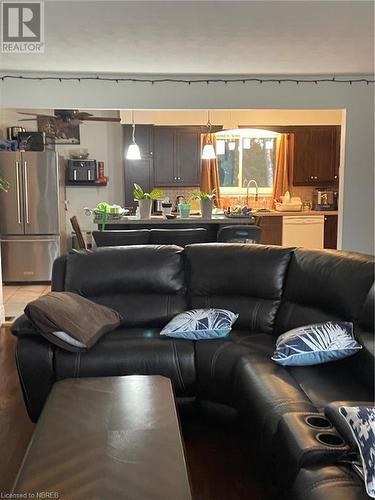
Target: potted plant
(207, 202)
(145, 200)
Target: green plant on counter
(4, 185)
(202, 195)
(139, 194)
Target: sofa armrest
(22, 327)
(34, 358)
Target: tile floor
(16, 297)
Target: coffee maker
(323, 199)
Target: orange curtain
(210, 171)
(284, 165)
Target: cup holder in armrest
(318, 422)
(330, 439)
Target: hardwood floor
(218, 461)
(216, 455)
(15, 425)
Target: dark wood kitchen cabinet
(138, 171)
(164, 156)
(272, 230)
(316, 155)
(330, 231)
(177, 156)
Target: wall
(104, 143)
(356, 221)
(234, 118)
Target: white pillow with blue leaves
(200, 324)
(316, 344)
(361, 421)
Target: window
(245, 154)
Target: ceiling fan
(72, 116)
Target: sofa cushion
(265, 391)
(330, 382)
(246, 279)
(323, 286)
(216, 362)
(133, 351)
(145, 284)
(330, 482)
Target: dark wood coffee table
(109, 438)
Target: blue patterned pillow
(361, 421)
(316, 344)
(200, 324)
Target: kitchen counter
(309, 213)
(271, 224)
(216, 219)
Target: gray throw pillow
(71, 321)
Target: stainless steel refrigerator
(32, 214)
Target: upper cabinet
(138, 171)
(177, 156)
(164, 156)
(316, 155)
(188, 156)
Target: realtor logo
(22, 27)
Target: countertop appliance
(323, 200)
(32, 221)
(12, 133)
(302, 231)
(35, 141)
(157, 206)
(81, 171)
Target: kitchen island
(270, 222)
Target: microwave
(82, 171)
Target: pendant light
(133, 150)
(208, 152)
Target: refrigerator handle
(18, 192)
(26, 191)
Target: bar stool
(239, 234)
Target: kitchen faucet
(247, 184)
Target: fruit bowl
(238, 212)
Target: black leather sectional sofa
(274, 289)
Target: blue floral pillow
(361, 421)
(316, 344)
(200, 324)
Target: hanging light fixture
(133, 150)
(208, 152)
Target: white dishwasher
(300, 231)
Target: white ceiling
(206, 37)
